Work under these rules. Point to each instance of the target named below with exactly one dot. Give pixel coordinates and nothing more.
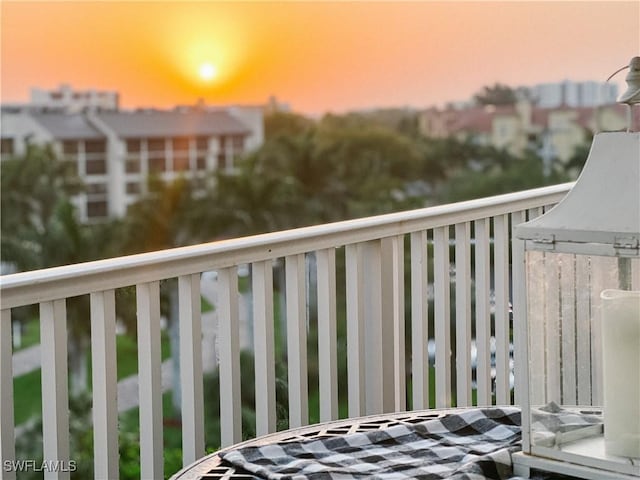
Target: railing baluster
(55, 410)
(191, 368)
(264, 347)
(393, 271)
(105, 384)
(463, 314)
(7, 440)
(552, 327)
(520, 344)
(327, 332)
(150, 382)
(520, 334)
(442, 316)
(229, 348)
(583, 329)
(297, 340)
(483, 317)
(536, 323)
(501, 272)
(568, 328)
(419, 320)
(355, 330)
(374, 354)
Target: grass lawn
(30, 334)
(27, 388)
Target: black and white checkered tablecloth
(474, 444)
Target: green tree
(518, 174)
(40, 229)
(497, 94)
(39, 224)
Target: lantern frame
(598, 219)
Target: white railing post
(264, 347)
(7, 441)
(568, 328)
(327, 334)
(229, 348)
(463, 314)
(393, 273)
(483, 318)
(442, 313)
(501, 290)
(356, 366)
(373, 346)
(419, 320)
(297, 340)
(150, 385)
(55, 394)
(104, 380)
(520, 344)
(520, 333)
(191, 368)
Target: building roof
(66, 126)
(156, 123)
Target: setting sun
(207, 71)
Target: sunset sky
(316, 56)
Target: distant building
(574, 94)
(115, 151)
(71, 100)
(553, 133)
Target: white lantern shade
(601, 214)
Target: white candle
(621, 372)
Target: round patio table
(211, 466)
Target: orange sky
(317, 56)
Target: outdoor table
(213, 466)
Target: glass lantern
(580, 324)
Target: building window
(180, 144)
(155, 145)
(133, 188)
(223, 142)
(201, 162)
(96, 166)
(180, 163)
(202, 144)
(97, 208)
(157, 165)
(132, 165)
(133, 145)
(96, 188)
(95, 146)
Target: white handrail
(36, 286)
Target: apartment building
(114, 152)
(554, 133)
(74, 100)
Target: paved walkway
(29, 359)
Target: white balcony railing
(373, 251)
